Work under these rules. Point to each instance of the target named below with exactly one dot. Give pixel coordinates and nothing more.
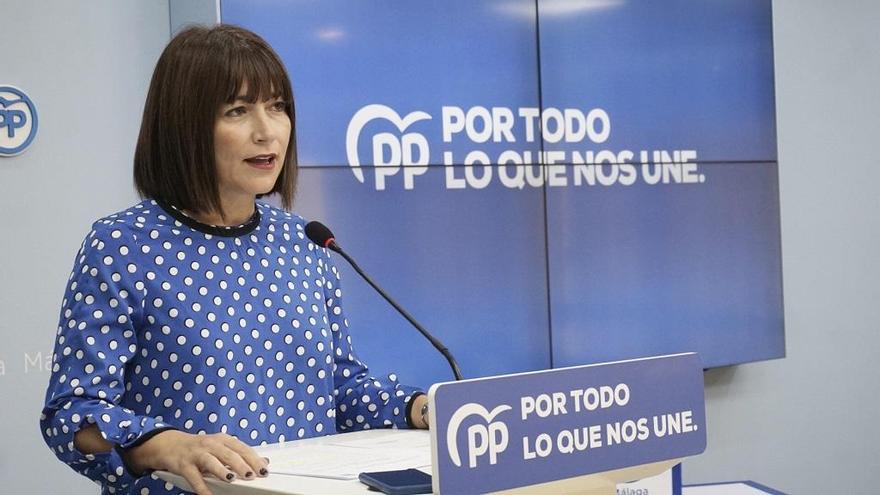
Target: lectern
(578, 430)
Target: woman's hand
(417, 419)
(190, 455)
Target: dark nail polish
(249, 474)
(264, 471)
(266, 459)
(230, 476)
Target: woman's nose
(263, 130)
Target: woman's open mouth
(265, 162)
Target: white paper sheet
(344, 459)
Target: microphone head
(318, 233)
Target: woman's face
(250, 141)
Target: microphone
(318, 233)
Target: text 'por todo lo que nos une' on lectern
(577, 430)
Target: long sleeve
(96, 338)
(362, 401)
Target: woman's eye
(235, 112)
(279, 106)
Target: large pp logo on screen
(390, 151)
(18, 121)
(489, 438)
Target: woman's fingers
(260, 465)
(193, 476)
(213, 463)
(235, 462)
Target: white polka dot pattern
(165, 325)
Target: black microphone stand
(436, 343)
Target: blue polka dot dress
(167, 322)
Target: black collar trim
(218, 230)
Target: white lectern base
(371, 442)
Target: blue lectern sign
(517, 430)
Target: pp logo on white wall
(391, 151)
(489, 438)
(18, 121)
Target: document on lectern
(343, 459)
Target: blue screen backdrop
(541, 183)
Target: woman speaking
(201, 321)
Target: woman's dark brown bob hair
(199, 71)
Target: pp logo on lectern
(489, 438)
(18, 121)
(390, 150)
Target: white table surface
(279, 484)
(730, 488)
